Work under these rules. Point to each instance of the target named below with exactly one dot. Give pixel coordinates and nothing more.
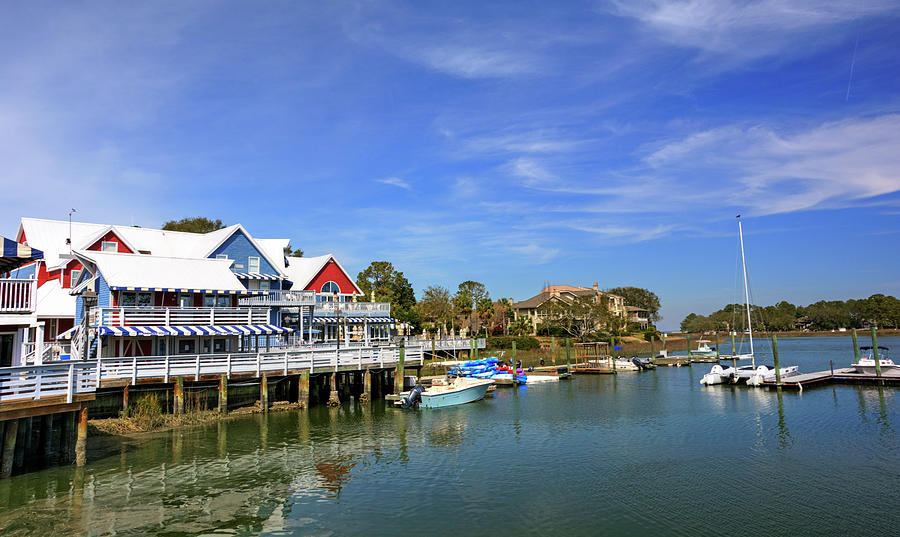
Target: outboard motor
(638, 362)
(414, 398)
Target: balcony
(17, 296)
(281, 299)
(158, 316)
(354, 309)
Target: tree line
(879, 310)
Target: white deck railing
(17, 296)
(350, 309)
(448, 344)
(159, 316)
(75, 377)
(281, 298)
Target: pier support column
(22, 437)
(68, 440)
(855, 347)
(81, 441)
(47, 437)
(553, 349)
(875, 353)
(398, 375)
(366, 394)
(264, 393)
(333, 398)
(179, 396)
(775, 356)
(9, 448)
(223, 394)
(303, 390)
(125, 398)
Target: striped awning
(219, 330)
(354, 320)
(67, 335)
(178, 290)
(256, 276)
(15, 255)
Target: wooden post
(514, 377)
(179, 396)
(855, 347)
(652, 337)
(333, 397)
(303, 390)
(432, 350)
(223, 394)
(125, 398)
(19, 458)
(568, 355)
(9, 446)
(553, 349)
(81, 442)
(875, 353)
(717, 345)
(775, 355)
(69, 437)
(366, 394)
(688, 336)
(47, 436)
(398, 376)
(264, 392)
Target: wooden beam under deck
(42, 407)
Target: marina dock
(844, 375)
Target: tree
(290, 252)
(382, 283)
(579, 318)
(468, 294)
(697, 323)
(193, 225)
(642, 298)
(436, 306)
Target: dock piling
(514, 378)
(264, 392)
(179, 396)
(223, 394)
(775, 356)
(303, 390)
(553, 349)
(568, 355)
(855, 347)
(81, 441)
(717, 345)
(9, 447)
(398, 376)
(875, 353)
(366, 394)
(333, 398)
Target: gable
(110, 237)
(239, 249)
(332, 272)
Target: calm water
(632, 454)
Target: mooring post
(855, 347)
(333, 398)
(81, 441)
(875, 353)
(717, 345)
(688, 335)
(553, 349)
(125, 398)
(264, 392)
(652, 337)
(9, 448)
(433, 350)
(47, 436)
(69, 437)
(366, 394)
(223, 394)
(775, 356)
(179, 396)
(398, 375)
(568, 355)
(303, 390)
(514, 377)
(20, 444)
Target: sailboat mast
(746, 292)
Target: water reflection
(784, 435)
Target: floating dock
(845, 375)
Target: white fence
(448, 344)
(17, 296)
(281, 298)
(158, 316)
(74, 377)
(354, 308)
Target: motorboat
(866, 365)
(718, 375)
(766, 373)
(460, 391)
(624, 364)
(643, 363)
(703, 349)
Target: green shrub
(524, 343)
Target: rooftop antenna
(69, 240)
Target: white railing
(354, 308)
(158, 316)
(448, 344)
(41, 381)
(17, 296)
(281, 298)
(74, 377)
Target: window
(127, 299)
(330, 288)
(185, 301)
(109, 246)
(221, 256)
(221, 345)
(209, 301)
(223, 301)
(76, 275)
(144, 299)
(186, 346)
(252, 264)
(136, 299)
(264, 285)
(206, 345)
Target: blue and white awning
(219, 330)
(15, 255)
(256, 276)
(67, 335)
(179, 290)
(354, 320)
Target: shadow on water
(784, 435)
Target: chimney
(596, 286)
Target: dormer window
(109, 246)
(330, 288)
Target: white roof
(302, 270)
(50, 237)
(54, 301)
(126, 270)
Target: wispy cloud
(395, 181)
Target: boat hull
(469, 393)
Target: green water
(649, 453)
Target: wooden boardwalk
(844, 375)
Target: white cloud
(395, 181)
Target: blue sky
(513, 143)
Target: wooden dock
(844, 375)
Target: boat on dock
(624, 364)
(718, 375)
(459, 391)
(866, 365)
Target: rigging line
(852, 64)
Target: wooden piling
(855, 347)
(223, 394)
(47, 436)
(775, 356)
(652, 337)
(9, 446)
(568, 355)
(125, 398)
(333, 397)
(81, 441)
(553, 349)
(264, 393)
(68, 442)
(19, 458)
(717, 345)
(514, 377)
(366, 394)
(179, 396)
(688, 335)
(303, 390)
(398, 376)
(875, 353)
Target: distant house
(638, 315)
(532, 310)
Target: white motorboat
(866, 364)
(624, 364)
(718, 375)
(766, 373)
(703, 349)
